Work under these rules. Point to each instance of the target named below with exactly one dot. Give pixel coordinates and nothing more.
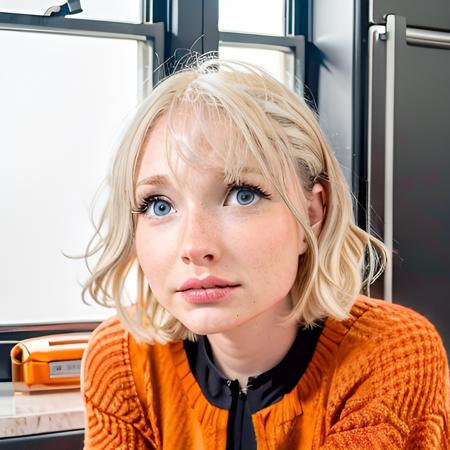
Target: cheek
(142, 244)
(270, 247)
(152, 254)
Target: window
(279, 63)
(114, 10)
(67, 87)
(252, 16)
(258, 32)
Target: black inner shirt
(262, 390)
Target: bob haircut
(274, 128)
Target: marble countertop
(25, 414)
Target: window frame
(145, 33)
(296, 26)
(293, 43)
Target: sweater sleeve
(114, 418)
(391, 385)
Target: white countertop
(41, 413)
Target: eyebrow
(162, 180)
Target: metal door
(409, 165)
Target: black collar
(262, 390)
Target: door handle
(395, 43)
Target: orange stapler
(48, 362)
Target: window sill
(43, 413)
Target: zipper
(235, 388)
(238, 400)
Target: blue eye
(246, 194)
(156, 205)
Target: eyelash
(147, 202)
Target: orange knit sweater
(378, 380)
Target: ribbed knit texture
(379, 380)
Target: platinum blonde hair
(275, 129)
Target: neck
(254, 347)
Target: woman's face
(199, 227)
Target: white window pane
(252, 16)
(113, 10)
(280, 64)
(64, 101)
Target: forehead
(186, 141)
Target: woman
(249, 330)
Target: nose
(200, 243)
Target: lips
(205, 283)
(208, 295)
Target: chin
(211, 326)
(207, 329)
